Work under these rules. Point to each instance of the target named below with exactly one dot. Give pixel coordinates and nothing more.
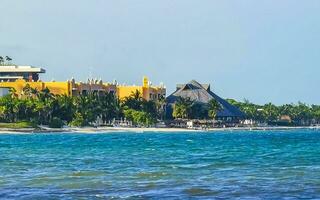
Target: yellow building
(81, 88)
(18, 77)
(147, 91)
(18, 85)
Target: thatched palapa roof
(201, 93)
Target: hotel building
(18, 77)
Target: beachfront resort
(18, 77)
(25, 97)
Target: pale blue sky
(260, 50)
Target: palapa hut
(201, 94)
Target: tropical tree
(303, 113)
(66, 108)
(139, 118)
(149, 107)
(8, 59)
(13, 92)
(110, 107)
(43, 107)
(182, 108)
(8, 108)
(139, 110)
(46, 108)
(315, 109)
(133, 101)
(160, 107)
(271, 112)
(78, 120)
(213, 108)
(85, 107)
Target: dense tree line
(44, 108)
(299, 114)
(287, 114)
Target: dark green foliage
(56, 123)
(300, 113)
(140, 111)
(134, 101)
(213, 108)
(7, 59)
(45, 108)
(78, 120)
(199, 111)
(140, 118)
(183, 108)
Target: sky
(263, 51)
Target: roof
(16, 68)
(201, 93)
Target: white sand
(90, 130)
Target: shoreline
(93, 130)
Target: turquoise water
(234, 165)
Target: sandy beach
(92, 130)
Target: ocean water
(219, 165)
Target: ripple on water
(152, 175)
(196, 191)
(87, 173)
(270, 165)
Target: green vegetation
(33, 108)
(45, 108)
(139, 118)
(185, 108)
(78, 120)
(214, 108)
(292, 114)
(18, 125)
(56, 123)
(5, 60)
(140, 111)
(299, 114)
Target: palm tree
(182, 108)
(149, 107)
(271, 112)
(29, 109)
(27, 91)
(110, 107)
(304, 113)
(13, 92)
(316, 113)
(44, 94)
(1, 60)
(95, 108)
(39, 109)
(134, 101)
(213, 108)
(8, 108)
(66, 107)
(44, 102)
(8, 59)
(161, 105)
(88, 107)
